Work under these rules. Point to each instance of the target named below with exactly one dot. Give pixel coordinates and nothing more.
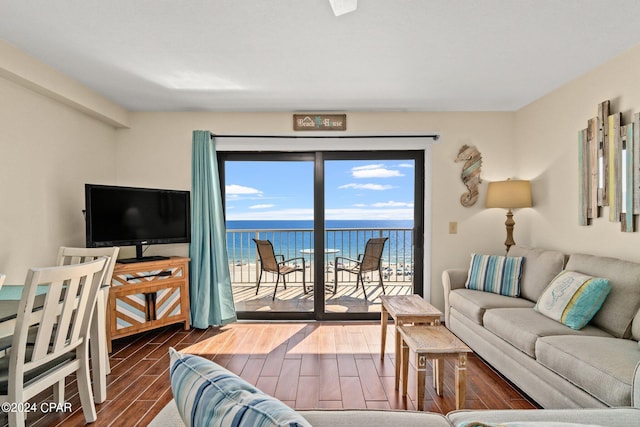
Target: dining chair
(269, 262)
(61, 345)
(2, 279)
(370, 261)
(69, 256)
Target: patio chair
(269, 262)
(370, 261)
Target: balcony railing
(397, 258)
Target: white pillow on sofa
(573, 298)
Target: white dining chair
(99, 342)
(61, 345)
(2, 279)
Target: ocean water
(342, 237)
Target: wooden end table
(436, 343)
(405, 309)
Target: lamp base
(509, 223)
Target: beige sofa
(628, 417)
(558, 367)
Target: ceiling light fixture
(340, 7)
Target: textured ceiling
(288, 55)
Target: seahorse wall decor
(472, 159)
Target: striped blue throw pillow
(209, 395)
(494, 273)
(573, 298)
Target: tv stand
(140, 258)
(143, 259)
(148, 295)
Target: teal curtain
(210, 286)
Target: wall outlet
(453, 227)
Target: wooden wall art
(609, 169)
(470, 176)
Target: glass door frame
(319, 157)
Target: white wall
(48, 151)
(156, 151)
(49, 148)
(547, 153)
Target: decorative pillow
(573, 298)
(209, 395)
(497, 274)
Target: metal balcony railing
(397, 258)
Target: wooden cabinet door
(130, 308)
(167, 305)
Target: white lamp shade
(509, 194)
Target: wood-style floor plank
(326, 365)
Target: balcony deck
(346, 299)
(397, 267)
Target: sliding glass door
(346, 228)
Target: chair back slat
(373, 254)
(2, 279)
(267, 255)
(70, 256)
(63, 320)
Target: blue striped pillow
(573, 298)
(494, 273)
(209, 395)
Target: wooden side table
(404, 309)
(437, 343)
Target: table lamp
(509, 194)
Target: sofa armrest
(635, 389)
(454, 278)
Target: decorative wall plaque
(609, 168)
(470, 175)
(319, 122)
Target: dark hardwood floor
(306, 365)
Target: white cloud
(405, 165)
(379, 172)
(392, 204)
(281, 214)
(388, 214)
(359, 205)
(359, 168)
(377, 187)
(240, 189)
(263, 206)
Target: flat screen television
(125, 216)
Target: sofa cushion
(622, 304)
(521, 327)
(373, 418)
(573, 298)
(473, 304)
(540, 267)
(635, 327)
(205, 393)
(602, 366)
(614, 417)
(496, 274)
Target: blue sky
(353, 190)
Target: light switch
(453, 227)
